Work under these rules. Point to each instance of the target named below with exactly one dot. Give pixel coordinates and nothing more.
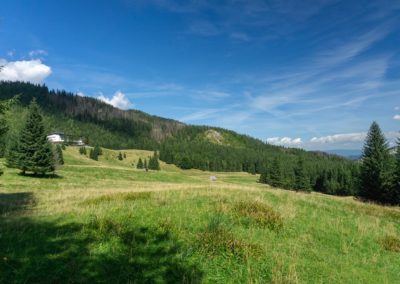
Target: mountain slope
(188, 146)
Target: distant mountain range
(352, 154)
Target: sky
(309, 74)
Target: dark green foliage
(120, 157)
(140, 164)
(153, 162)
(124, 155)
(302, 181)
(33, 152)
(276, 178)
(82, 150)
(145, 166)
(59, 158)
(394, 194)
(99, 150)
(63, 147)
(94, 155)
(375, 167)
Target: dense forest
(187, 146)
(218, 149)
(91, 118)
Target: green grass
(106, 222)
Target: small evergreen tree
(63, 147)
(276, 178)
(139, 164)
(302, 182)
(59, 158)
(94, 154)
(120, 156)
(375, 167)
(124, 155)
(154, 163)
(99, 150)
(81, 150)
(34, 153)
(145, 165)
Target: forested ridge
(91, 118)
(187, 146)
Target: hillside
(108, 222)
(187, 146)
(93, 119)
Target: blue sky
(311, 74)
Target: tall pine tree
(394, 195)
(302, 181)
(276, 178)
(375, 167)
(33, 151)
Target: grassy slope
(94, 223)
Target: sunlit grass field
(107, 222)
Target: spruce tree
(302, 182)
(394, 196)
(34, 151)
(59, 158)
(12, 154)
(139, 164)
(276, 174)
(120, 156)
(145, 165)
(124, 155)
(375, 167)
(153, 162)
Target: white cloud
(25, 70)
(119, 100)
(284, 141)
(37, 52)
(80, 94)
(340, 138)
(396, 117)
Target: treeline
(191, 148)
(91, 118)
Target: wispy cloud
(396, 117)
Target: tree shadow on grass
(102, 251)
(40, 176)
(15, 202)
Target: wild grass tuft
(391, 243)
(261, 213)
(130, 196)
(217, 239)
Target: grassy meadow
(107, 222)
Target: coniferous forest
(374, 177)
